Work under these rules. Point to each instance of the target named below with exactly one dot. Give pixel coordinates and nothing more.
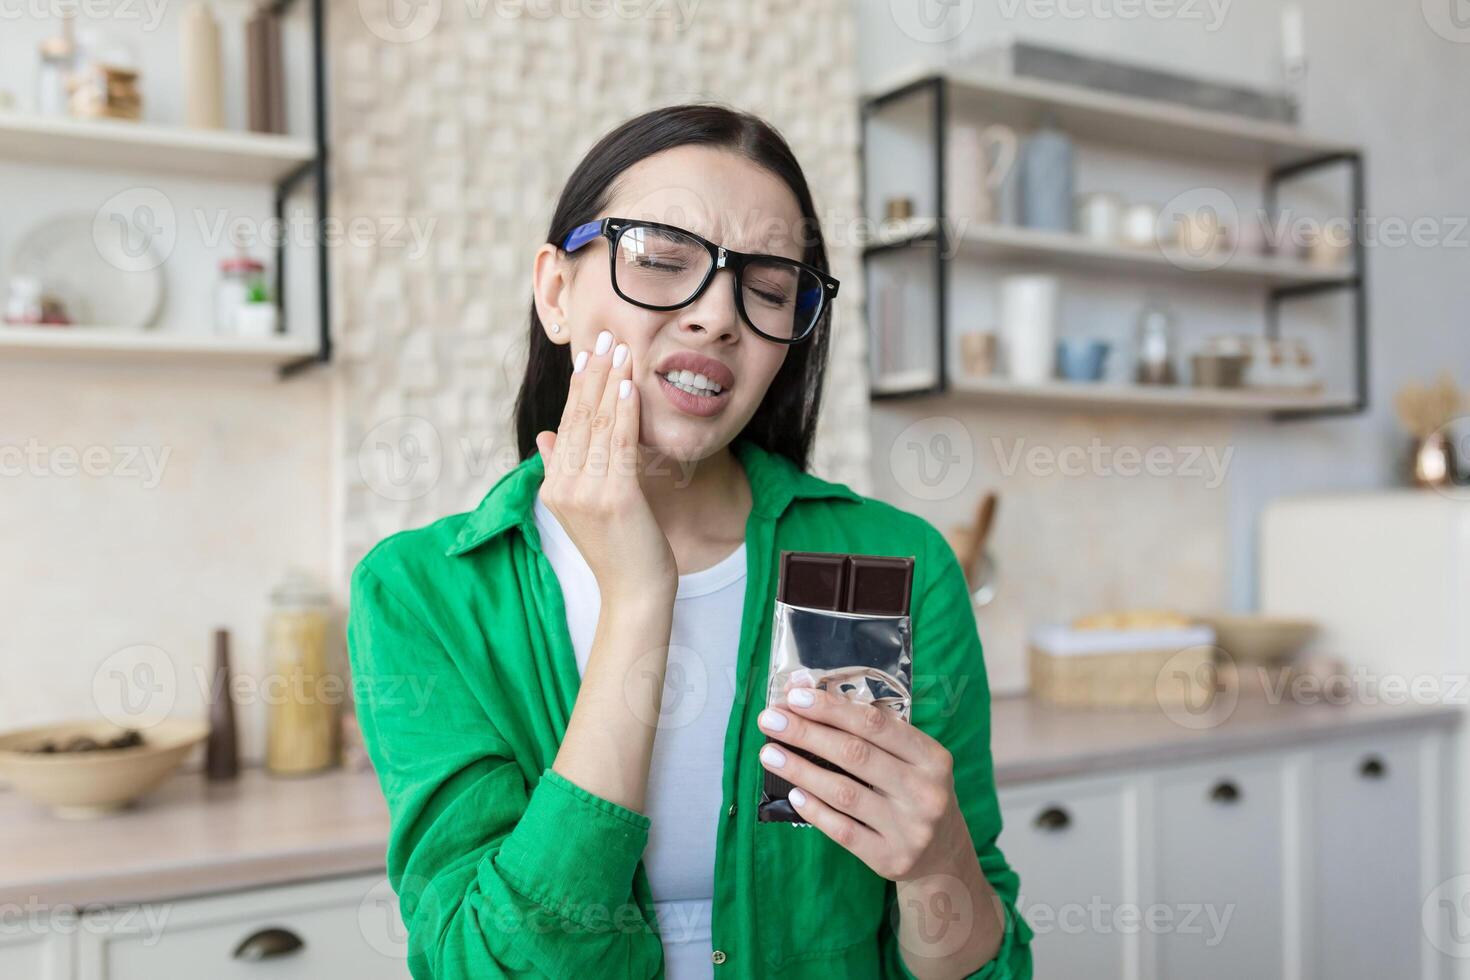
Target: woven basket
(1099, 669)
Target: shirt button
(731, 811)
(717, 957)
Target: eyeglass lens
(661, 267)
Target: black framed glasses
(661, 267)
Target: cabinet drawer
(1073, 844)
(36, 955)
(340, 928)
(1221, 869)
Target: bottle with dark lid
(222, 756)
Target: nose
(714, 314)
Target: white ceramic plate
(107, 279)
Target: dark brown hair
(786, 420)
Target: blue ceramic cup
(1081, 358)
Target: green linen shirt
(465, 679)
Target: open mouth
(691, 394)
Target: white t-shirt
(684, 793)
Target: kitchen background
(178, 453)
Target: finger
(879, 725)
(600, 439)
(545, 446)
(568, 420)
(625, 427)
(867, 844)
(841, 792)
(853, 753)
(583, 398)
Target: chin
(685, 440)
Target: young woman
(577, 795)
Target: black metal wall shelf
(1282, 152)
(317, 169)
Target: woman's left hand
(907, 823)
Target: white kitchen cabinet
(1225, 868)
(338, 928)
(1376, 834)
(36, 950)
(1073, 844)
(1320, 853)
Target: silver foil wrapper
(867, 659)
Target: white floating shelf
(151, 346)
(899, 382)
(1067, 250)
(1174, 398)
(1073, 251)
(113, 144)
(1141, 124)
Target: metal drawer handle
(1053, 819)
(268, 944)
(1226, 792)
(1373, 768)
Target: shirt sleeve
(494, 879)
(952, 704)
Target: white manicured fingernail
(580, 362)
(802, 696)
(620, 355)
(604, 341)
(773, 757)
(624, 387)
(773, 721)
(797, 797)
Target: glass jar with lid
(241, 286)
(1156, 345)
(306, 686)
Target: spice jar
(306, 687)
(54, 64)
(1154, 343)
(241, 286)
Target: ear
(550, 285)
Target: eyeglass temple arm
(581, 235)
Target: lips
(687, 360)
(701, 406)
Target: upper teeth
(688, 379)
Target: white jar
(1028, 326)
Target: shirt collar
(775, 481)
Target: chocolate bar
(872, 585)
(864, 659)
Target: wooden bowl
(1256, 639)
(83, 785)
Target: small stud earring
(556, 328)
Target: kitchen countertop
(1030, 740)
(192, 838)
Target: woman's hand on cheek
(592, 469)
(906, 823)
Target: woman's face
(729, 200)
